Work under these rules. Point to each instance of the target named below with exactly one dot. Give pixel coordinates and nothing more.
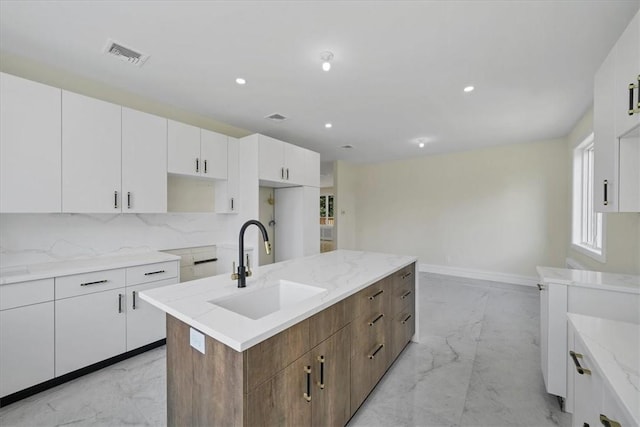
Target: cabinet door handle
(287, 174)
(540, 287)
(133, 297)
(151, 273)
(115, 200)
(606, 184)
(374, 296)
(205, 166)
(282, 173)
(378, 317)
(406, 319)
(93, 283)
(607, 422)
(575, 356)
(119, 303)
(405, 295)
(128, 199)
(307, 394)
(321, 382)
(232, 203)
(197, 165)
(632, 86)
(373, 354)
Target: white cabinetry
(144, 162)
(30, 146)
(26, 335)
(281, 164)
(227, 191)
(617, 133)
(91, 153)
(553, 337)
(196, 152)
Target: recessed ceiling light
(328, 125)
(469, 88)
(326, 58)
(421, 145)
(240, 81)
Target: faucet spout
(243, 271)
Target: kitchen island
(303, 344)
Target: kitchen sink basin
(262, 302)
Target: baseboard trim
(493, 276)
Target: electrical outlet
(196, 339)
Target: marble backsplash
(36, 238)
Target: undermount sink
(262, 302)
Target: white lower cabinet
(89, 328)
(26, 347)
(145, 323)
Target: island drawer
(152, 272)
(87, 283)
(373, 299)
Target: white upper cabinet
(617, 126)
(30, 146)
(227, 191)
(144, 162)
(213, 154)
(284, 165)
(627, 72)
(184, 148)
(91, 153)
(271, 159)
(196, 152)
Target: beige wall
(622, 230)
(502, 209)
(345, 186)
(39, 72)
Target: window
(587, 235)
(326, 209)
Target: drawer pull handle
(575, 356)
(204, 261)
(404, 276)
(307, 394)
(133, 297)
(372, 297)
(119, 303)
(154, 272)
(540, 287)
(94, 283)
(321, 383)
(406, 319)
(406, 294)
(373, 355)
(607, 422)
(373, 322)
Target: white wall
(500, 209)
(345, 186)
(622, 230)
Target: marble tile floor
(478, 364)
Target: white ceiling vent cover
(124, 53)
(276, 117)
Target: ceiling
(398, 72)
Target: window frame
(584, 218)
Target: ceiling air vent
(124, 53)
(276, 117)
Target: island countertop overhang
(340, 274)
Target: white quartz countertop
(47, 270)
(591, 279)
(615, 348)
(340, 273)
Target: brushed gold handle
(321, 382)
(575, 356)
(378, 317)
(608, 422)
(374, 296)
(540, 287)
(373, 353)
(307, 394)
(406, 319)
(404, 276)
(406, 294)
